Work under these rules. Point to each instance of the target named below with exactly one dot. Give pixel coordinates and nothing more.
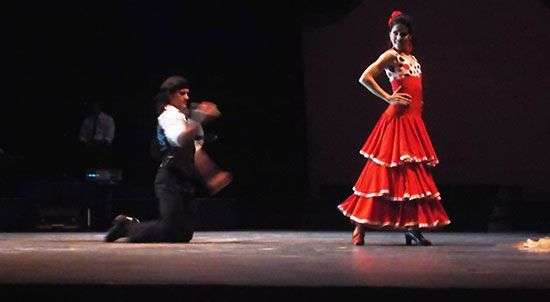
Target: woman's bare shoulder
(389, 54)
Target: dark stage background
(284, 75)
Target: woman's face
(400, 37)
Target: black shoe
(416, 236)
(120, 228)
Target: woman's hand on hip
(399, 98)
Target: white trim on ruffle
(394, 224)
(406, 158)
(405, 196)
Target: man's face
(180, 98)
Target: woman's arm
(367, 79)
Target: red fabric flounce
(399, 138)
(401, 183)
(427, 213)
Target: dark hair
(404, 20)
(169, 87)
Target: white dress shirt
(174, 123)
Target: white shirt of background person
(105, 128)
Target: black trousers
(175, 194)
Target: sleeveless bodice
(407, 74)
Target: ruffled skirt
(396, 189)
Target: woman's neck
(405, 47)
(407, 50)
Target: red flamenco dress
(396, 190)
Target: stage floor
(275, 258)
(271, 259)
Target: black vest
(178, 159)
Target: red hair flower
(394, 14)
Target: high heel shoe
(416, 236)
(358, 236)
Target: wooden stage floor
(272, 264)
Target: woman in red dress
(396, 190)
